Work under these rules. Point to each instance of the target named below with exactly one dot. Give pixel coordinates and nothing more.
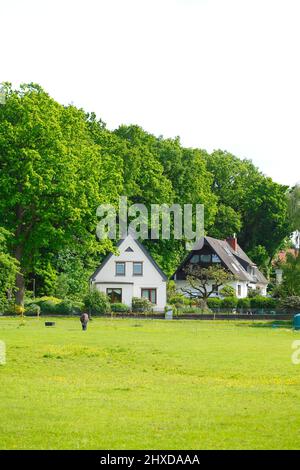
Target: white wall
(132, 285)
(244, 290)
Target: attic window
(215, 259)
(205, 258)
(195, 259)
(129, 249)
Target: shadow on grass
(273, 324)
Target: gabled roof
(144, 250)
(235, 261)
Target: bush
(141, 305)
(228, 291)
(244, 303)
(178, 300)
(67, 307)
(119, 307)
(214, 302)
(290, 303)
(33, 309)
(97, 302)
(263, 302)
(229, 302)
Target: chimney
(232, 241)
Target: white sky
(218, 73)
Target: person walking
(84, 320)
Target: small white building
(228, 254)
(131, 273)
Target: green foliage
(227, 291)
(9, 268)
(263, 302)
(141, 305)
(58, 164)
(177, 300)
(200, 280)
(33, 310)
(119, 307)
(244, 303)
(291, 276)
(229, 302)
(290, 303)
(214, 302)
(97, 302)
(260, 203)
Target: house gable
(234, 260)
(130, 251)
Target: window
(149, 294)
(115, 295)
(195, 259)
(120, 269)
(239, 290)
(205, 258)
(137, 268)
(215, 259)
(129, 249)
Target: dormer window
(205, 258)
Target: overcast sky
(218, 73)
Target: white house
(131, 273)
(228, 254)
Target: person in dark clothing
(84, 321)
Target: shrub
(263, 302)
(228, 291)
(119, 307)
(48, 306)
(214, 302)
(178, 300)
(141, 304)
(33, 309)
(67, 307)
(97, 302)
(290, 303)
(244, 303)
(229, 302)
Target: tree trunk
(20, 283)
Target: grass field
(148, 384)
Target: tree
(291, 276)
(8, 268)
(201, 280)
(50, 182)
(259, 203)
(294, 211)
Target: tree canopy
(58, 163)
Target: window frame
(118, 263)
(142, 266)
(149, 289)
(114, 289)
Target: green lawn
(143, 384)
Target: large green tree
(50, 183)
(259, 205)
(8, 268)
